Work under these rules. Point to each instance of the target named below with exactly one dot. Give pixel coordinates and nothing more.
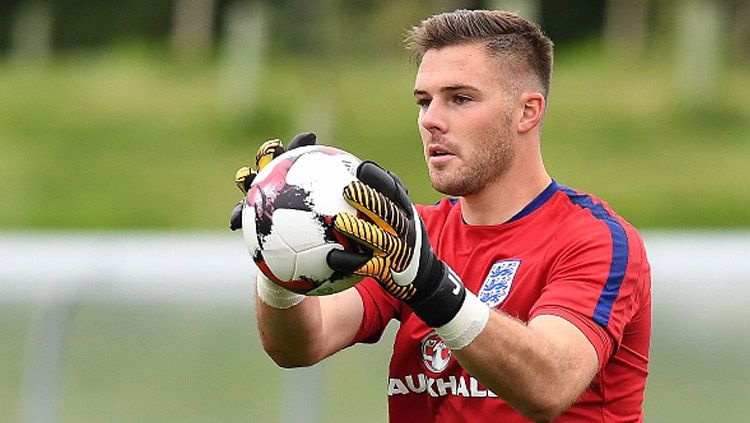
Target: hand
(402, 259)
(268, 151)
(271, 294)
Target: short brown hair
(504, 34)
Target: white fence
(703, 275)
(692, 270)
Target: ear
(533, 105)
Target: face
(465, 118)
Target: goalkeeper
(518, 299)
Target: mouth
(438, 151)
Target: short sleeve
(595, 281)
(379, 309)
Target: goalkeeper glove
(402, 259)
(268, 151)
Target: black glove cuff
(442, 303)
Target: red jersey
(565, 254)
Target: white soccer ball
(287, 218)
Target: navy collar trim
(539, 201)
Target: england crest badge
(498, 282)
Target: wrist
(466, 325)
(274, 295)
(440, 304)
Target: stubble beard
(484, 166)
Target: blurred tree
(699, 38)
(529, 9)
(310, 27)
(572, 20)
(6, 18)
(193, 28)
(626, 28)
(31, 34)
(243, 50)
(740, 11)
(298, 25)
(398, 15)
(97, 23)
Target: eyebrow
(448, 89)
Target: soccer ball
(287, 218)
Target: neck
(500, 200)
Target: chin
(451, 188)
(451, 184)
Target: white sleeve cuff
(274, 295)
(469, 322)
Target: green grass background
(125, 139)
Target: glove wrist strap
(276, 296)
(466, 325)
(444, 301)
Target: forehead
(468, 64)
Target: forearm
(291, 336)
(301, 333)
(535, 373)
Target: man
(522, 299)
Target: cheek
(419, 122)
(425, 140)
(490, 122)
(423, 132)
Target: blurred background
(123, 296)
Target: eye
(461, 99)
(423, 103)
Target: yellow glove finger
(365, 233)
(375, 238)
(267, 151)
(376, 207)
(378, 267)
(403, 293)
(241, 177)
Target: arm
(540, 368)
(310, 331)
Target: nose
(432, 118)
